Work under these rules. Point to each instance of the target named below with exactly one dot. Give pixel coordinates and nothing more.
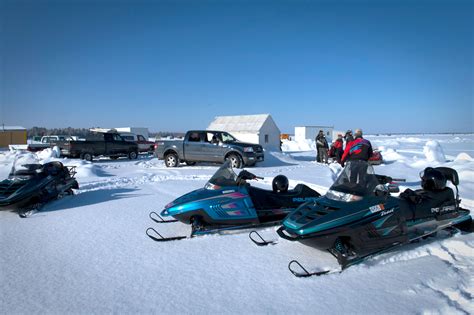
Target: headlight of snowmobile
(248, 149)
(340, 196)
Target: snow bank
(48, 154)
(463, 157)
(294, 146)
(434, 152)
(390, 154)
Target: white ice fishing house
(258, 129)
(310, 132)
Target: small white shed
(310, 132)
(258, 129)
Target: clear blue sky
(384, 66)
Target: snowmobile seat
(267, 199)
(53, 168)
(421, 203)
(450, 174)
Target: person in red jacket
(337, 149)
(358, 149)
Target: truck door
(120, 146)
(108, 144)
(192, 146)
(213, 150)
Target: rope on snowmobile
(306, 273)
(262, 241)
(159, 219)
(160, 238)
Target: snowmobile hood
(194, 199)
(15, 190)
(325, 214)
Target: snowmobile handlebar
(383, 179)
(402, 180)
(246, 175)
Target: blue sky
(384, 66)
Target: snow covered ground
(89, 253)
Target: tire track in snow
(136, 181)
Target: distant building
(310, 132)
(136, 130)
(12, 135)
(258, 129)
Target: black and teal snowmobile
(228, 203)
(358, 217)
(30, 186)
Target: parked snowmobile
(228, 202)
(28, 188)
(358, 217)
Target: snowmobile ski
(260, 241)
(304, 273)
(159, 219)
(160, 238)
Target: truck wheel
(235, 160)
(132, 155)
(190, 163)
(87, 156)
(171, 160)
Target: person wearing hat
(322, 148)
(348, 137)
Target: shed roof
(242, 123)
(11, 128)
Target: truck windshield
(224, 176)
(227, 137)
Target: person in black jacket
(322, 148)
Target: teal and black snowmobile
(358, 217)
(229, 203)
(30, 186)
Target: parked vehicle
(358, 218)
(105, 144)
(143, 144)
(30, 186)
(227, 203)
(48, 142)
(208, 146)
(376, 158)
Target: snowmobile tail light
(248, 149)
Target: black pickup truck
(105, 144)
(208, 146)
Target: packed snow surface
(89, 253)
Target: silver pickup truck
(208, 146)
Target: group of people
(356, 147)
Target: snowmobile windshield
(25, 166)
(356, 180)
(224, 176)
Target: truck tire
(235, 160)
(87, 156)
(171, 160)
(132, 155)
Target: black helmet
(432, 179)
(280, 184)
